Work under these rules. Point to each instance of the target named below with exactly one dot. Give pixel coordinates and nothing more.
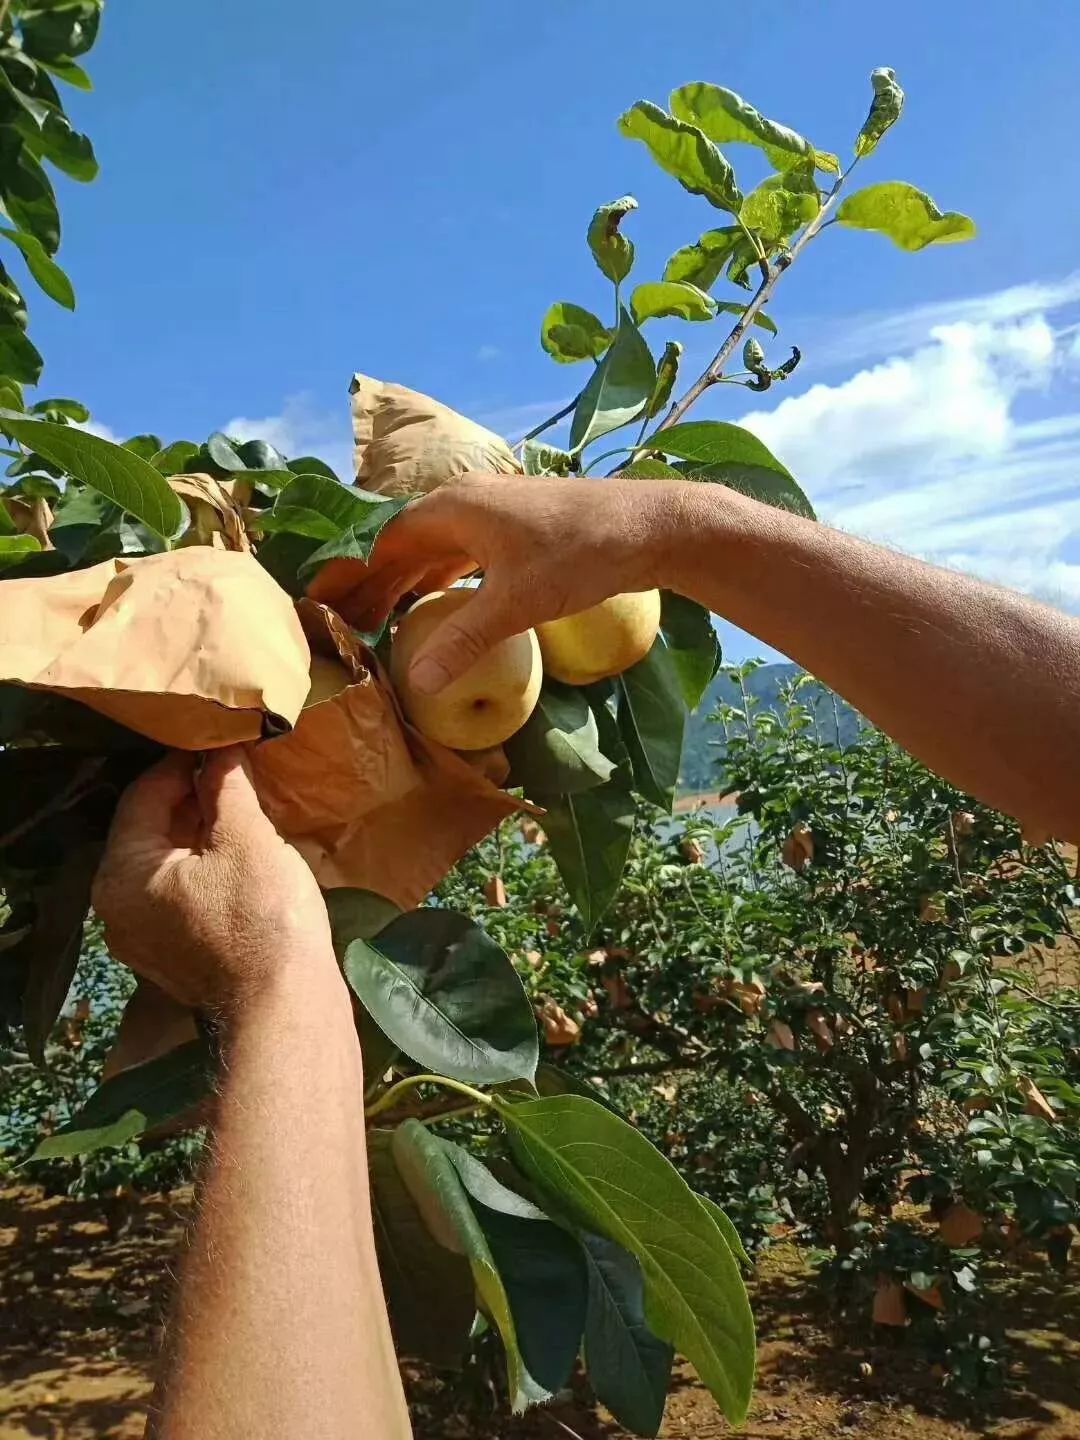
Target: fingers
(230, 807)
(461, 639)
(147, 808)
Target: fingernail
(428, 675)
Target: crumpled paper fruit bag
(195, 648)
(406, 443)
(366, 799)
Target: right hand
(547, 548)
(198, 892)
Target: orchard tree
(180, 594)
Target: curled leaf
(906, 215)
(884, 111)
(612, 251)
(570, 333)
(683, 151)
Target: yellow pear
(328, 678)
(481, 708)
(604, 640)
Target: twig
(544, 424)
(1059, 1007)
(771, 274)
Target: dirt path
(83, 1286)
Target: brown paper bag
(367, 800)
(407, 443)
(195, 648)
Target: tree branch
(544, 424)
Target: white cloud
(301, 428)
(488, 352)
(925, 451)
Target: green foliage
(684, 152)
(557, 751)
(908, 217)
(671, 297)
(884, 110)
(568, 333)
(612, 250)
(724, 116)
(618, 389)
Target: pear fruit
(481, 708)
(602, 641)
(328, 678)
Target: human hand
(198, 892)
(547, 548)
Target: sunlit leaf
(618, 389)
(569, 333)
(540, 458)
(732, 307)
(44, 270)
(612, 250)
(884, 110)
(14, 548)
(683, 151)
(557, 750)
(906, 215)
(727, 1229)
(702, 262)
(676, 298)
(781, 205)
(667, 372)
(724, 117)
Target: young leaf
(14, 548)
(118, 474)
(539, 458)
(683, 151)
(612, 251)
(906, 215)
(317, 507)
(447, 996)
(732, 307)
(589, 838)
(701, 263)
(134, 1101)
(432, 1180)
(652, 719)
(727, 1230)
(628, 1367)
(429, 1289)
(61, 405)
(611, 1180)
(557, 750)
(44, 270)
(618, 388)
(356, 542)
(667, 372)
(671, 297)
(692, 644)
(568, 333)
(541, 1267)
(724, 117)
(781, 205)
(884, 111)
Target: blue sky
(289, 194)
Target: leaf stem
(772, 272)
(387, 1100)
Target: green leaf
(692, 644)
(541, 1268)
(45, 271)
(613, 1181)
(780, 205)
(50, 951)
(116, 473)
(82, 519)
(732, 307)
(133, 1101)
(317, 507)
(828, 162)
(261, 455)
(557, 750)
(14, 548)
(719, 451)
(284, 556)
(906, 215)
(612, 251)
(64, 146)
(725, 117)
(429, 1290)
(667, 372)
(884, 110)
(310, 465)
(701, 263)
(19, 359)
(683, 151)
(768, 486)
(359, 915)
(628, 1367)
(731, 1236)
(652, 719)
(144, 445)
(54, 32)
(175, 459)
(539, 458)
(568, 333)
(447, 996)
(356, 542)
(223, 452)
(69, 72)
(60, 405)
(589, 837)
(649, 468)
(433, 1182)
(671, 297)
(618, 389)
(27, 195)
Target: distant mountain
(703, 749)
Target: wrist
(301, 983)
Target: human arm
(280, 1326)
(982, 684)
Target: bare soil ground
(83, 1288)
